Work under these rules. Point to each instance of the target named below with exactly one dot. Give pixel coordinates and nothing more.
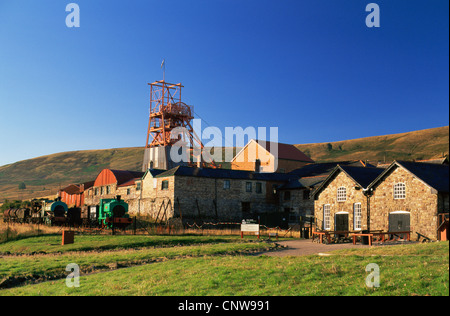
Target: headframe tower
(169, 124)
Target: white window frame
(399, 191)
(357, 216)
(341, 194)
(326, 217)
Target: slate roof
(363, 176)
(224, 174)
(303, 183)
(434, 175)
(325, 168)
(153, 172)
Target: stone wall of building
(156, 200)
(93, 195)
(420, 201)
(297, 202)
(224, 199)
(329, 196)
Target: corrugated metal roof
(123, 176)
(111, 176)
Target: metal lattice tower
(169, 124)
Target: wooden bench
(381, 236)
(320, 235)
(328, 235)
(362, 235)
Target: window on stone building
(258, 188)
(287, 195)
(399, 191)
(96, 191)
(357, 216)
(101, 190)
(341, 194)
(108, 190)
(226, 184)
(138, 186)
(128, 191)
(326, 217)
(248, 187)
(165, 185)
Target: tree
(22, 186)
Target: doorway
(399, 221)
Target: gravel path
(306, 247)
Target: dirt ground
(306, 247)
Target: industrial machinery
(40, 212)
(54, 212)
(17, 215)
(170, 126)
(113, 213)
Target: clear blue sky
(312, 68)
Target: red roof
(109, 176)
(285, 151)
(77, 188)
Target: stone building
(295, 194)
(210, 194)
(73, 194)
(110, 183)
(410, 196)
(341, 202)
(406, 196)
(348, 195)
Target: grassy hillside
(424, 144)
(43, 176)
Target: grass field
(213, 266)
